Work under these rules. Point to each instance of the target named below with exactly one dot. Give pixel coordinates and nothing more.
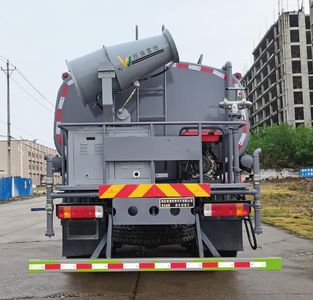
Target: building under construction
(27, 160)
(280, 81)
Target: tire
(153, 235)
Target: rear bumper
(155, 264)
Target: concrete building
(280, 81)
(27, 160)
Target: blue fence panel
(5, 188)
(306, 172)
(11, 187)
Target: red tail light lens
(79, 212)
(226, 209)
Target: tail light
(79, 212)
(226, 209)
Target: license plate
(187, 202)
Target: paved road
(22, 237)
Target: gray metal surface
(152, 148)
(144, 217)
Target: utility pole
(7, 71)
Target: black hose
(247, 220)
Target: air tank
(130, 62)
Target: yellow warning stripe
(112, 191)
(168, 190)
(196, 189)
(140, 190)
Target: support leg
(108, 251)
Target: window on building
(311, 98)
(294, 36)
(311, 82)
(310, 67)
(275, 119)
(274, 106)
(307, 22)
(308, 37)
(299, 124)
(309, 52)
(297, 82)
(29, 154)
(296, 66)
(295, 51)
(298, 98)
(293, 21)
(299, 114)
(311, 112)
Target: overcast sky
(37, 36)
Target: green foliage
(283, 146)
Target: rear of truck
(151, 156)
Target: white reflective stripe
(194, 265)
(257, 264)
(57, 128)
(98, 211)
(68, 266)
(128, 266)
(70, 82)
(226, 264)
(36, 267)
(207, 210)
(99, 266)
(196, 68)
(162, 265)
(219, 74)
(242, 139)
(61, 102)
(174, 65)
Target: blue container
(11, 187)
(22, 187)
(6, 188)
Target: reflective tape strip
(226, 264)
(68, 267)
(131, 266)
(163, 264)
(257, 264)
(61, 102)
(99, 266)
(160, 190)
(194, 265)
(36, 267)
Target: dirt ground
(288, 203)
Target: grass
(288, 204)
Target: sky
(38, 36)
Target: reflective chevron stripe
(151, 264)
(147, 190)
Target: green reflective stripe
(271, 263)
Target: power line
(30, 95)
(25, 132)
(29, 82)
(43, 96)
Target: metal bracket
(105, 241)
(203, 239)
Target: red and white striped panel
(157, 265)
(58, 111)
